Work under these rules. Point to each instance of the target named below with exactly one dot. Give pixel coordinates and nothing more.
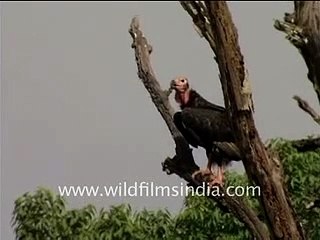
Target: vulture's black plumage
(206, 125)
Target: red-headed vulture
(206, 125)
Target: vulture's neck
(184, 99)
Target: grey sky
(74, 111)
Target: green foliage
(201, 215)
(43, 215)
(302, 171)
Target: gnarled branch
(302, 29)
(183, 163)
(158, 96)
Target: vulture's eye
(182, 80)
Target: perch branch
(304, 105)
(158, 96)
(183, 163)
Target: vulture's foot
(203, 174)
(218, 177)
(216, 181)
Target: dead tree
(302, 28)
(183, 163)
(213, 21)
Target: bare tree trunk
(264, 170)
(307, 18)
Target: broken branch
(304, 105)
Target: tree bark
(183, 163)
(263, 169)
(307, 18)
(302, 28)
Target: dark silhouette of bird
(206, 125)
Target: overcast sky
(73, 110)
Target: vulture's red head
(181, 86)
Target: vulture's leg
(205, 172)
(223, 168)
(221, 171)
(214, 169)
(219, 179)
(218, 173)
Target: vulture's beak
(172, 84)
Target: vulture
(204, 124)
